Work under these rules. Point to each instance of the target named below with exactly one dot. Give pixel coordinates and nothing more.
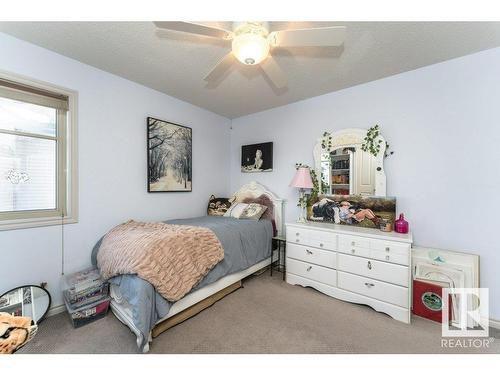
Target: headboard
(253, 189)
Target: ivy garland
(326, 141)
(371, 144)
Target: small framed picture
(257, 157)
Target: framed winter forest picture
(170, 159)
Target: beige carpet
(266, 316)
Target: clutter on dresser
(443, 269)
(364, 211)
(86, 296)
(385, 225)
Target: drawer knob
(369, 265)
(353, 251)
(387, 249)
(387, 257)
(309, 268)
(320, 245)
(309, 251)
(369, 285)
(353, 243)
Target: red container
(401, 225)
(428, 300)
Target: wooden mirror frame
(353, 137)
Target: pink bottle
(401, 225)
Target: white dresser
(354, 264)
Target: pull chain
(62, 243)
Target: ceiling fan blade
(322, 36)
(274, 72)
(194, 28)
(222, 66)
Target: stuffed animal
(15, 332)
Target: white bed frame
(252, 189)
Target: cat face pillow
(218, 206)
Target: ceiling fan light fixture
(252, 41)
(250, 48)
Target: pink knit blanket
(173, 258)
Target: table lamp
(302, 180)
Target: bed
(247, 249)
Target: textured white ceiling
(175, 63)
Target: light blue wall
(112, 164)
(443, 122)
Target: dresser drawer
(354, 250)
(353, 241)
(293, 233)
(391, 273)
(312, 271)
(312, 255)
(380, 290)
(323, 240)
(392, 258)
(390, 247)
(310, 237)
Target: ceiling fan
(252, 43)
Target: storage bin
(88, 296)
(84, 287)
(89, 313)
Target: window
(37, 155)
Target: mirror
(27, 300)
(345, 169)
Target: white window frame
(67, 183)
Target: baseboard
(56, 310)
(61, 308)
(494, 323)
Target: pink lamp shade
(302, 179)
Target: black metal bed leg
(271, 265)
(284, 260)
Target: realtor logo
(469, 312)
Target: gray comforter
(245, 243)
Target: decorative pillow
(218, 206)
(263, 200)
(253, 211)
(275, 231)
(236, 210)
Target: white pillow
(236, 210)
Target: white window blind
(32, 152)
